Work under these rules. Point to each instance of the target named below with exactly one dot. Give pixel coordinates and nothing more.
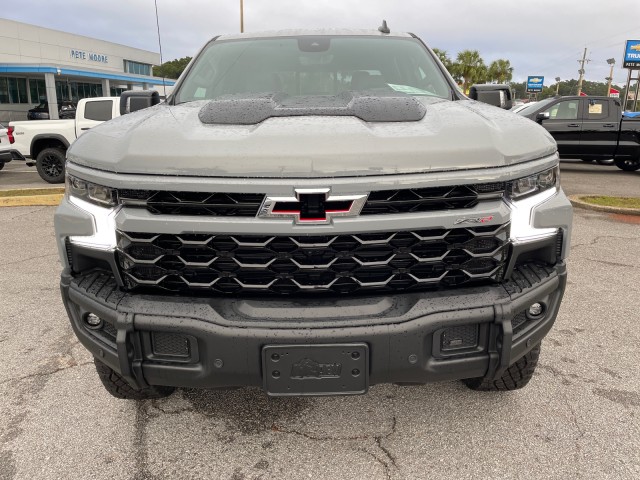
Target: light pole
(581, 71)
(609, 79)
(557, 85)
(241, 16)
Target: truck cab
(44, 143)
(589, 128)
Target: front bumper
(217, 342)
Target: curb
(37, 197)
(576, 201)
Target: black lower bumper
(410, 337)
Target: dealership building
(38, 64)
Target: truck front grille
(194, 203)
(361, 262)
(406, 200)
(410, 200)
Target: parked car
(44, 144)
(66, 110)
(521, 106)
(590, 128)
(314, 212)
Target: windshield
(313, 65)
(529, 109)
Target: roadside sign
(632, 54)
(534, 84)
(613, 93)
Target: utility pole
(241, 16)
(581, 71)
(557, 85)
(609, 79)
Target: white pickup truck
(44, 143)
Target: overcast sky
(539, 37)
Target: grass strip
(32, 200)
(24, 192)
(606, 201)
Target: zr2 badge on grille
(312, 206)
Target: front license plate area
(335, 369)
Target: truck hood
(172, 140)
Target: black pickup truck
(590, 128)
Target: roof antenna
(164, 83)
(383, 28)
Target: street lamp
(612, 62)
(557, 85)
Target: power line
(164, 84)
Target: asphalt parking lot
(578, 418)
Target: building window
(117, 91)
(74, 91)
(137, 68)
(38, 90)
(13, 90)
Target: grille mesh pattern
(430, 199)
(170, 345)
(247, 204)
(455, 338)
(194, 203)
(518, 323)
(393, 261)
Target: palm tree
(443, 57)
(501, 71)
(470, 66)
(448, 64)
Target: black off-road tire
(50, 165)
(628, 165)
(514, 377)
(119, 388)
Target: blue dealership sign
(632, 54)
(534, 84)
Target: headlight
(527, 186)
(91, 192)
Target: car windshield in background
(529, 109)
(313, 65)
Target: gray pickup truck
(314, 212)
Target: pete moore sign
(94, 57)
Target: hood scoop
(369, 106)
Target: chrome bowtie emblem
(312, 206)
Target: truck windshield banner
(632, 54)
(534, 84)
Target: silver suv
(314, 212)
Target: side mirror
(542, 116)
(134, 100)
(496, 95)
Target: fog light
(92, 320)
(535, 309)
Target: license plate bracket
(327, 369)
